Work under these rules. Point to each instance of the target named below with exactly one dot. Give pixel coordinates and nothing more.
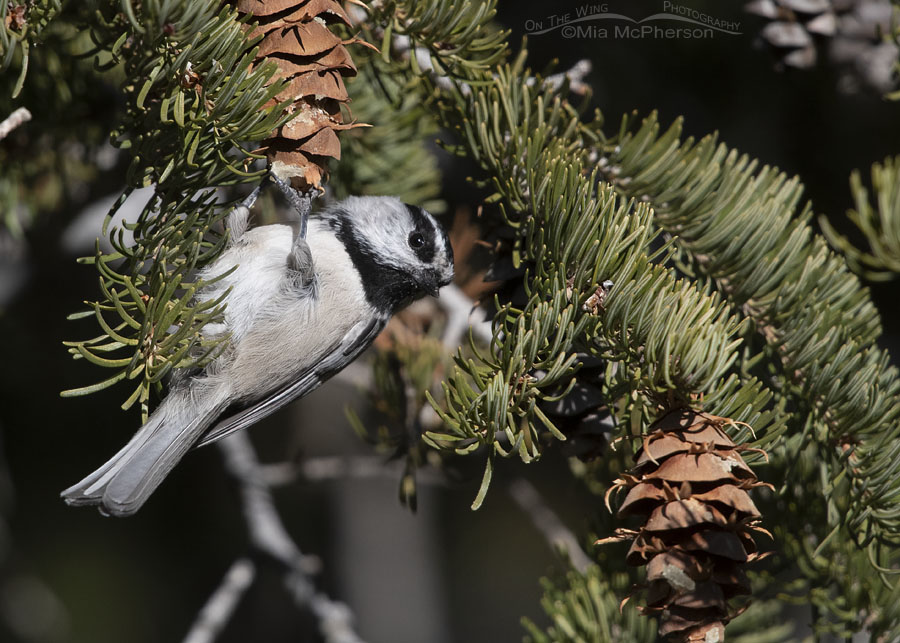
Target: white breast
(260, 260)
(276, 333)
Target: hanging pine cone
(691, 484)
(314, 61)
(865, 57)
(854, 30)
(794, 23)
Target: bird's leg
(240, 216)
(300, 258)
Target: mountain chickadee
(300, 309)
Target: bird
(300, 307)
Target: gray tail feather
(122, 485)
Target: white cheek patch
(386, 232)
(440, 241)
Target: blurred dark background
(446, 573)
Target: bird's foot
(239, 217)
(300, 260)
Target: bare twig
(343, 468)
(462, 313)
(221, 605)
(548, 523)
(267, 536)
(12, 121)
(267, 532)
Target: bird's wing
(342, 353)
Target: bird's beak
(433, 282)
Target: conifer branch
(878, 222)
(583, 606)
(192, 103)
(21, 27)
(818, 324)
(729, 227)
(394, 155)
(722, 296)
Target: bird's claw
(302, 201)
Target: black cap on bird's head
(401, 252)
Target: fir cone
(854, 30)
(866, 59)
(314, 61)
(690, 483)
(794, 23)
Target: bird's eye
(416, 240)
